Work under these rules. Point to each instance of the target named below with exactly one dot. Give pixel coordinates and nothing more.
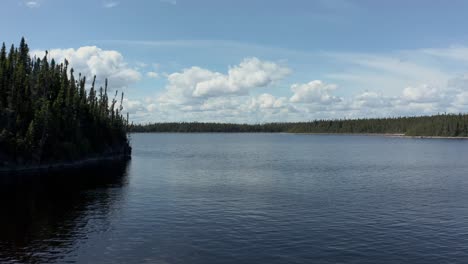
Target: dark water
(248, 198)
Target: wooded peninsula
(442, 125)
(47, 116)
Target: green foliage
(46, 115)
(446, 125)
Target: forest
(48, 115)
(442, 125)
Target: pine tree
(3, 87)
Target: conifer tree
(3, 87)
(46, 115)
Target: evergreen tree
(3, 87)
(46, 115)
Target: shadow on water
(46, 213)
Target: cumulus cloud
(237, 108)
(314, 92)
(413, 100)
(250, 73)
(91, 60)
(422, 93)
(152, 107)
(221, 104)
(268, 101)
(316, 100)
(196, 83)
(460, 103)
(181, 85)
(369, 100)
(132, 106)
(261, 108)
(312, 100)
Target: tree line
(442, 125)
(48, 115)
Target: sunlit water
(248, 198)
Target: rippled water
(247, 198)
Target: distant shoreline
(382, 135)
(435, 126)
(427, 137)
(308, 133)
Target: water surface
(248, 198)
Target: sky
(256, 61)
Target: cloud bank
(257, 90)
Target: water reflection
(42, 214)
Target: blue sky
(258, 60)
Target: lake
(247, 198)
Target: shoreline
(58, 166)
(429, 137)
(383, 135)
(396, 135)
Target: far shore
(298, 133)
(428, 137)
(381, 135)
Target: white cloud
(132, 106)
(314, 92)
(261, 108)
(369, 100)
(313, 100)
(250, 73)
(153, 75)
(181, 85)
(91, 60)
(221, 103)
(195, 83)
(268, 101)
(413, 100)
(152, 107)
(422, 93)
(460, 103)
